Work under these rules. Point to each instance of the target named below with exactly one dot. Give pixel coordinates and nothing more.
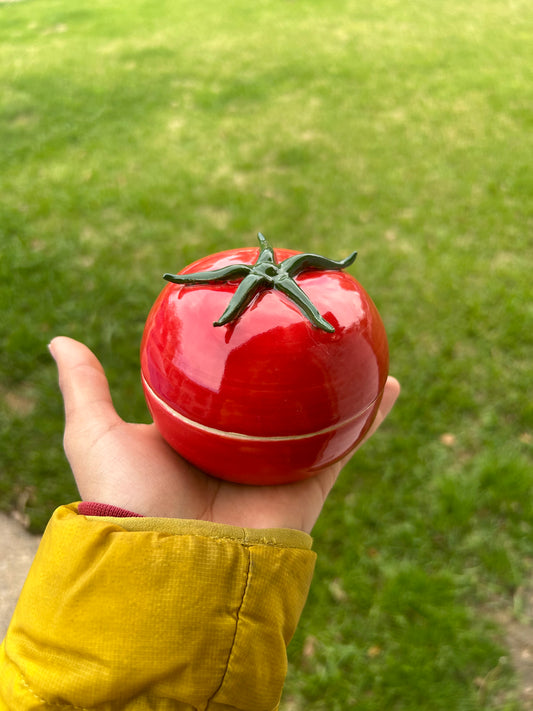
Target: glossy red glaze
(269, 398)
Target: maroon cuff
(90, 508)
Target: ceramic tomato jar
(263, 366)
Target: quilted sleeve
(155, 613)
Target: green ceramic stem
(240, 300)
(291, 289)
(267, 273)
(300, 262)
(222, 274)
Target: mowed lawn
(136, 137)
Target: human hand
(131, 466)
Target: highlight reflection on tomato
(266, 365)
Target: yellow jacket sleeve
(164, 614)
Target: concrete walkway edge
(17, 551)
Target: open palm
(131, 466)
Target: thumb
(83, 385)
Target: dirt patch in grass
(518, 627)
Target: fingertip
(82, 379)
(59, 343)
(395, 382)
(51, 348)
(393, 386)
(56, 345)
(68, 352)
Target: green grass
(137, 137)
